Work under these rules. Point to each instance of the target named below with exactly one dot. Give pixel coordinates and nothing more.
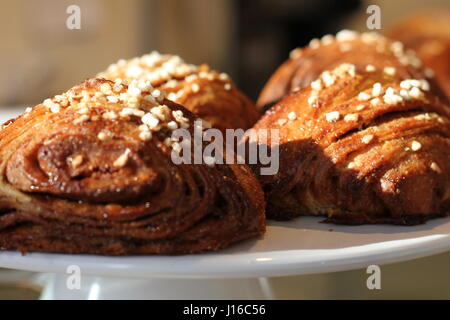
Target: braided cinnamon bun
(368, 52)
(207, 93)
(360, 146)
(90, 171)
(428, 34)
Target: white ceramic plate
(301, 246)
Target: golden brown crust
(79, 176)
(428, 34)
(368, 148)
(207, 93)
(366, 50)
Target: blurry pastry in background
(366, 51)
(428, 33)
(209, 94)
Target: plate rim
(244, 265)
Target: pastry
(358, 145)
(370, 51)
(428, 34)
(90, 171)
(207, 93)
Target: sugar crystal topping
(164, 71)
(382, 44)
(138, 103)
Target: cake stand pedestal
(102, 288)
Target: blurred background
(248, 39)
(41, 57)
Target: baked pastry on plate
(428, 34)
(368, 52)
(90, 171)
(358, 145)
(207, 93)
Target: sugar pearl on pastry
(363, 96)
(138, 113)
(405, 84)
(389, 71)
(82, 118)
(172, 96)
(150, 120)
(316, 85)
(415, 82)
(351, 165)
(195, 87)
(375, 101)
(370, 68)
(434, 166)
(346, 35)
(328, 78)
(351, 117)
(415, 146)
(145, 135)
(312, 100)
(178, 115)
(332, 116)
(314, 43)
(424, 85)
(292, 116)
(109, 115)
(113, 99)
(48, 103)
(104, 135)
(105, 88)
(76, 161)
(415, 93)
(157, 93)
(62, 100)
(172, 125)
(377, 89)
(134, 91)
(367, 138)
(122, 159)
(223, 76)
(126, 112)
(327, 39)
(296, 53)
(405, 94)
(83, 110)
(150, 98)
(55, 108)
